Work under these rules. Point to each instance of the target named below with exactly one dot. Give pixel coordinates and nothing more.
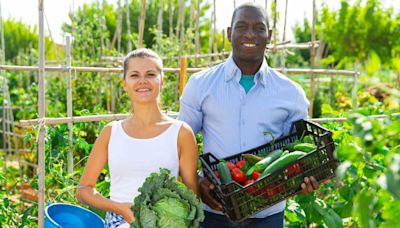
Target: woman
(138, 145)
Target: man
(237, 103)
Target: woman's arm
(86, 191)
(188, 156)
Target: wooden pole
(69, 105)
(355, 89)
(275, 33)
(111, 117)
(215, 31)
(4, 81)
(160, 18)
(182, 75)
(128, 26)
(171, 26)
(312, 59)
(141, 25)
(120, 10)
(196, 35)
(284, 37)
(42, 114)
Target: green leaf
(363, 208)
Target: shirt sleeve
(190, 106)
(298, 111)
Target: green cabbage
(165, 202)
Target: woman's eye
(134, 75)
(151, 75)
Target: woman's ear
(124, 84)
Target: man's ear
(269, 35)
(229, 33)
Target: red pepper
(255, 175)
(238, 175)
(240, 163)
(231, 166)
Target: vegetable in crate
(165, 202)
(282, 162)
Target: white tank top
(131, 160)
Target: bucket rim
(46, 211)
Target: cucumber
(306, 147)
(224, 173)
(282, 162)
(251, 158)
(272, 156)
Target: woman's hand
(124, 209)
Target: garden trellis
(7, 117)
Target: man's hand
(205, 192)
(309, 185)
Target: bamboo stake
(128, 26)
(80, 119)
(196, 35)
(283, 37)
(69, 105)
(42, 114)
(4, 80)
(355, 90)
(160, 18)
(111, 117)
(191, 14)
(215, 31)
(175, 70)
(275, 33)
(182, 75)
(171, 31)
(141, 25)
(312, 59)
(120, 11)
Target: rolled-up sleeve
(190, 106)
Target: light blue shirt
(233, 121)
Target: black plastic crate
(241, 202)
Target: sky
(56, 12)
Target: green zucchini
(282, 162)
(306, 147)
(224, 173)
(272, 156)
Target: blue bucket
(67, 215)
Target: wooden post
(215, 32)
(312, 59)
(182, 75)
(275, 34)
(284, 37)
(128, 27)
(171, 26)
(160, 18)
(196, 35)
(141, 25)
(354, 91)
(69, 105)
(42, 114)
(4, 81)
(119, 25)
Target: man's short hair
(251, 5)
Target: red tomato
(252, 189)
(294, 170)
(231, 166)
(238, 175)
(216, 174)
(255, 175)
(240, 163)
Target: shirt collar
(232, 71)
